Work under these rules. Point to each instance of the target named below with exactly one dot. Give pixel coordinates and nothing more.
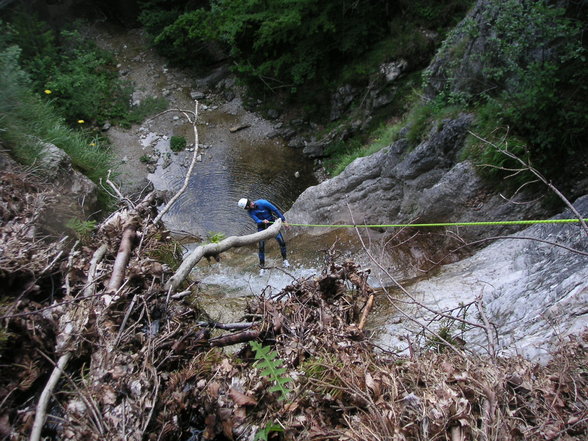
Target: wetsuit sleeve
(275, 210)
(253, 216)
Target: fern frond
(269, 365)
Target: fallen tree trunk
(189, 173)
(213, 249)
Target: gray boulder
(56, 166)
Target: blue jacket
(264, 210)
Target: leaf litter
(148, 366)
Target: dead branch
(530, 168)
(122, 258)
(366, 310)
(214, 249)
(488, 327)
(44, 400)
(189, 172)
(393, 279)
(118, 192)
(96, 258)
(233, 339)
(226, 326)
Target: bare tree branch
(527, 166)
(46, 395)
(189, 172)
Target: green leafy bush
(289, 44)
(177, 143)
(214, 237)
(27, 121)
(80, 79)
(82, 229)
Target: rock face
(78, 197)
(399, 185)
(534, 293)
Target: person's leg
(282, 244)
(262, 253)
(261, 247)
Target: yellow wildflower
(48, 92)
(81, 121)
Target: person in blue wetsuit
(263, 214)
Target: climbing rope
(445, 224)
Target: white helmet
(242, 202)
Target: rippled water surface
(246, 163)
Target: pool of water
(246, 163)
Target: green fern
(269, 365)
(82, 229)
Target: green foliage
(169, 253)
(282, 43)
(423, 114)
(82, 85)
(147, 159)
(324, 369)
(80, 79)
(494, 165)
(449, 331)
(289, 44)
(270, 428)
(269, 364)
(383, 131)
(435, 15)
(533, 73)
(82, 229)
(149, 106)
(439, 342)
(214, 237)
(177, 143)
(27, 121)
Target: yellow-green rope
(445, 224)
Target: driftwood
(233, 339)
(226, 326)
(366, 311)
(213, 249)
(239, 127)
